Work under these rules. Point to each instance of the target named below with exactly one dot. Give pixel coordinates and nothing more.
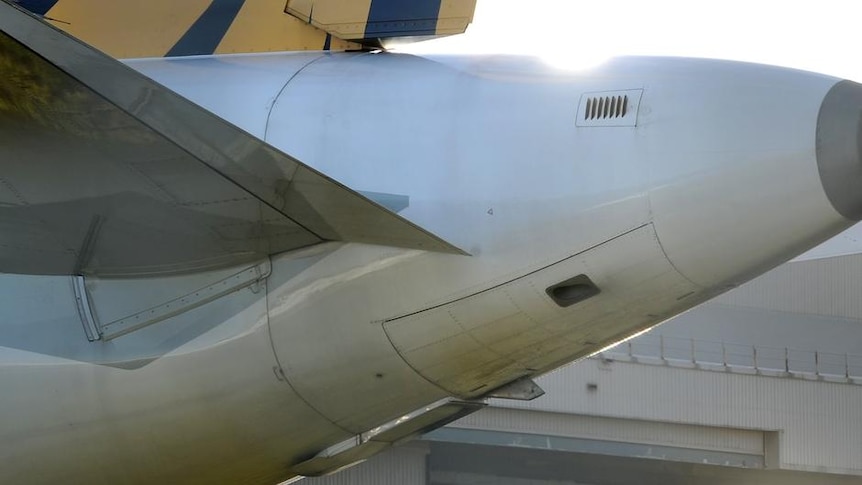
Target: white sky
(821, 35)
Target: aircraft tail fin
(157, 28)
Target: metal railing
(730, 356)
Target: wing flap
(106, 172)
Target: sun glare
(565, 60)
(815, 36)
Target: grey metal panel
(371, 442)
(628, 449)
(403, 465)
(828, 287)
(739, 358)
(107, 172)
(460, 464)
(748, 326)
(719, 439)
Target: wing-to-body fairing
(197, 305)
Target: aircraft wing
(106, 172)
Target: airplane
(226, 263)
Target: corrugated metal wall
(830, 287)
(820, 423)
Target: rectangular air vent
(609, 108)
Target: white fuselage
(708, 179)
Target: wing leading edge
(106, 172)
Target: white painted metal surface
(661, 216)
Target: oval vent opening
(573, 290)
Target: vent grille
(609, 108)
(605, 107)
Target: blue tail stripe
(204, 36)
(388, 18)
(39, 7)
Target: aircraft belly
(478, 343)
(332, 323)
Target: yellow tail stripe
(345, 19)
(263, 26)
(152, 28)
(128, 29)
(455, 16)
